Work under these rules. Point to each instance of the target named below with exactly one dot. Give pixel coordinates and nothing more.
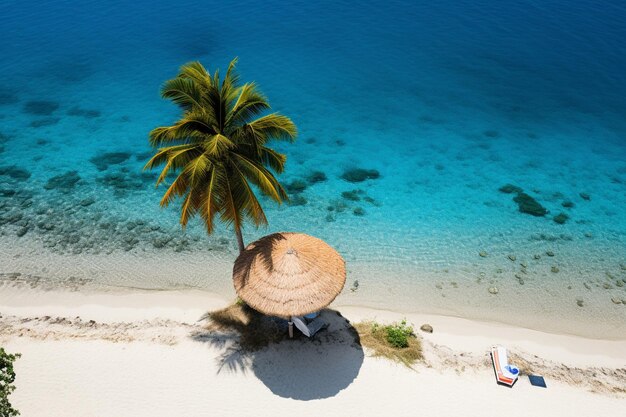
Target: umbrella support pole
(291, 329)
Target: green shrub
(397, 334)
(393, 341)
(7, 377)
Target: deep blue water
(448, 100)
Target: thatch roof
(289, 274)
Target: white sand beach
(142, 353)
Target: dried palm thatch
(289, 274)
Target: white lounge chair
(310, 329)
(506, 373)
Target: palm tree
(219, 148)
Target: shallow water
(447, 101)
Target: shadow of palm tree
(299, 368)
(260, 250)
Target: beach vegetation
(219, 149)
(397, 341)
(7, 377)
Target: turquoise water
(448, 102)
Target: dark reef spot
(340, 142)
(7, 96)
(529, 205)
(491, 133)
(297, 200)
(63, 182)
(103, 161)
(510, 189)
(295, 187)
(315, 177)
(358, 211)
(311, 140)
(15, 172)
(41, 107)
(3, 138)
(86, 202)
(7, 192)
(144, 156)
(560, 218)
(351, 195)
(567, 204)
(371, 201)
(360, 175)
(86, 113)
(48, 121)
(122, 182)
(41, 142)
(70, 68)
(585, 196)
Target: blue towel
(537, 381)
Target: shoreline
(152, 354)
(190, 306)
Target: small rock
(567, 204)
(607, 286)
(549, 253)
(586, 285)
(588, 234)
(527, 204)
(512, 258)
(315, 177)
(87, 201)
(360, 175)
(358, 211)
(536, 256)
(616, 300)
(64, 182)
(554, 269)
(427, 328)
(351, 195)
(560, 218)
(585, 196)
(482, 254)
(493, 290)
(40, 107)
(295, 187)
(21, 231)
(580, 302)
(510, 189)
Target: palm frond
(195, 71)
(183, 91)
(273, 126)
(217, 145)
(210, 203)
(246, 199)
(178, 188)
(192, 128)
(250, 102)
(261, 177)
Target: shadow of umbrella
(306, 369)
(299, 368)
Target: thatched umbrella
(289, 274)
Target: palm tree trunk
(239, 239)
